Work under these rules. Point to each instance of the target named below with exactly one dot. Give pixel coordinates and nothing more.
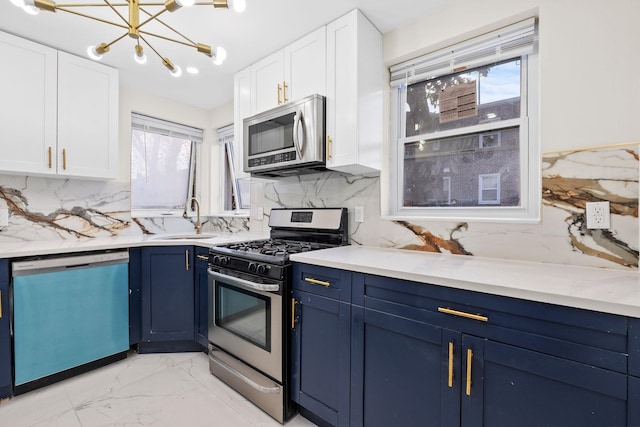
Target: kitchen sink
(184, 236)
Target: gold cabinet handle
(64, 159)
(317, 282)
(186, 256)
(284, 91)
(450, 378)
(293, 313)
(279, 91)
(469, 359)
(50, 158)
(463, 314)
(203, 257)
(328, 147)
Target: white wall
(589, 60)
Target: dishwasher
(70, 315)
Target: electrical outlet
(4, 217)
(359, 214)
(598, 216)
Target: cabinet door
(135, 297)
(241, 110)
(87, 118)
(5, 335)
(202, 297)
(402, 368)
(320, 357)
(511, 386)
(305, 70)
(28, 88)
(354, 95)
(267, 76)
(167, 294)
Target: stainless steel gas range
(249, 284)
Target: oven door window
(244, 314)
(271, 135)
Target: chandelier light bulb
(239, 5)
(139, 55)
(177, 71)
(220, 56)
(93, 53)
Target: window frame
(195, 135)
(530, 156)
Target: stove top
(275, 247)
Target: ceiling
(266, 26)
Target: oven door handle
(244, 284)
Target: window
(489, 189)
(466, 118)
(236, 192)
(164, 159)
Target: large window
(164, 159)
(465, 142)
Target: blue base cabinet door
(505, 386)
(320, 372)
(167, 289)
(404, 375)
(5, 333)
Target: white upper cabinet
(354, 95)
(87, 118)
(28, 124)
(241, 110)
(60, 115)
(289, 74)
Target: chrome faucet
(198, 225)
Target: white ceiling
(263, 28)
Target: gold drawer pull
(284, 92)
(469, 359)
(463, 314)
(186, 259)
(203, 257)
(279, 91)
(450, 379)
(328, 148)
(64, 159)
(50, 154)
(317, 282)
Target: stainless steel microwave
(286, 140)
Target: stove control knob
(224, 260)
(253, 267)
(261, 268)
(216, 259)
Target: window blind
(506, 43)
(163, 127)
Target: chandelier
(134, 26)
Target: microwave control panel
(272, 159)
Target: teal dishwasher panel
(65, 319)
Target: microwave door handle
(298, 119)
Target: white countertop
(605, 290)
(50, 247)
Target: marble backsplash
(46, 209)
(570, 179)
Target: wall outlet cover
(598, 215)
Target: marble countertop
(604, 290)
(51, 247)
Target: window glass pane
(160, 167)
(485, 94)
(460, 161)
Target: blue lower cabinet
(320, 373)
(202, 296)
(167, 291)
(402, 373)
(5, 332)
(510, 386)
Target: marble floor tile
(160, 390)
